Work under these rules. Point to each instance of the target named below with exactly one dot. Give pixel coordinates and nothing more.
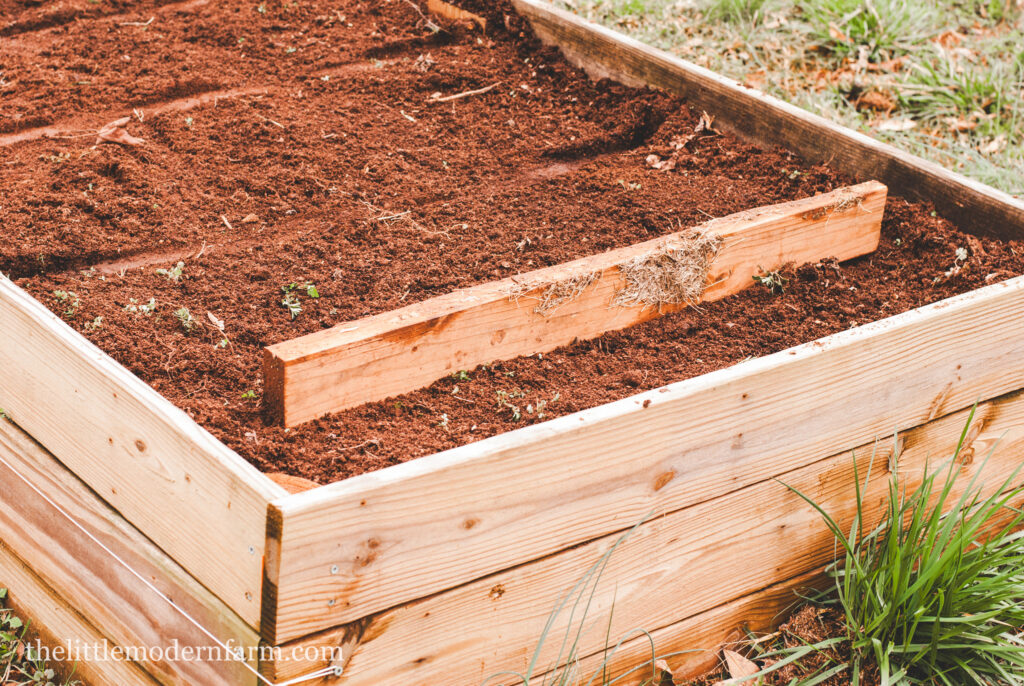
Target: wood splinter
(395, 352)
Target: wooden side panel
(360, 546)
(58, 624)
(675, 566)
(196, 499)
(377, 357)
(694, 644)
(100, 589)
(770, 122)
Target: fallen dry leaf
(250, 219)
(895, 124)
(958, 124)
(837, 34)
(114, 132)
(739, 666)
(995, 145)
(875, 100)
(756, 79)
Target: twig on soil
(227, 223)
(371, 441)
(138, 23)
(268, 119)
(437, 97)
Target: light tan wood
(674, 566)
(95, 584)
(694, 645)
(449, 11)
(291, 483)
(195, 498)
(384, 355)
(770, 122)
(433, 523)
(58, 624)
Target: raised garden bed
(310, 166)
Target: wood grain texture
(677, 565)
(770, 122)
(58, 624)
(433, 523)
(395, 352)
(94, 583)
(695, 644)
(191, 495)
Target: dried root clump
(846, 200)
(555, 294)
(563, 291)
(676, 273)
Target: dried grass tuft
(673, 274)
(555, 294)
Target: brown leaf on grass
(995, 145)
(959, 124)
(739, 667)
(756, 79)
(949, 38)
(877, 101)
(114, 132)
(837, 34)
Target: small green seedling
(290, 301)
(69, 300)
(504, 401)
(185, 318)
(174, 273)
(461, 375)
(94, 324)
(444, 422)
(145, 308)
(773, 281)
(249, 395)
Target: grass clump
(932, 595)
(941, 80)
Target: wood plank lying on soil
(58, 624)
(431, 524)
(674, 566)
(186, 491)
(768, 121)
(99, 588)
(399, 351)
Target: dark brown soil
(299, 143)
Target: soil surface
(306, 143)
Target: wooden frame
(391, 567)
(409, 348)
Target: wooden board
(195, 498)
(694, 644)
(99, 588)
(344, 551)
(58, 624)
(395, 352)
(674, 566)
(770, 122)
